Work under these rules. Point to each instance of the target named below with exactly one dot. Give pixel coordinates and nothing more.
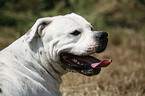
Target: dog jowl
(84, 63)
(33, 64)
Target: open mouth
(86, 65)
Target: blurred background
(124, 20)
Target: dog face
(72, 41)
(69, 40)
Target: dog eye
(75, 33)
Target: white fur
(30, 66)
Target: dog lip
(102, 46)
(82, 64)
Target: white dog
(33, 64)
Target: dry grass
(124, 77)
(124, 19)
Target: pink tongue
(103, 63)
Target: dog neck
(57, 71)
(31, 64)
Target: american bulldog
(33, 64)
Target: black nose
(101, 35)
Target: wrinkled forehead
(65, 24)
(72, 20)
(77, 18)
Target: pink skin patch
(103, 63)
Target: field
(124, 77)
(124, 20)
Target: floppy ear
(36, 30)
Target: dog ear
(36, 30)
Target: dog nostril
(101, 35)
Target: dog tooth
(82, 64)
(74, 60)
(78, 62)
(82, 71)
(89, 72)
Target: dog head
(70, 41)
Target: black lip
(83, 69)
(103, 46)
